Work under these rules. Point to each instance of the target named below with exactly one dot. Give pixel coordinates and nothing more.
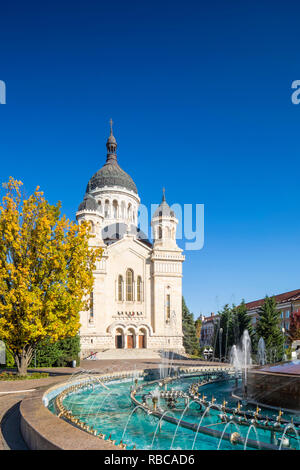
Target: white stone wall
(161, 272)
(125, 199)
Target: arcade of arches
(130, 339)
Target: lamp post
(220, 342)
(283, 344)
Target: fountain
(261, 351)
(240, 358)
(126, 407)
(234, 360)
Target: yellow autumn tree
(46, 272)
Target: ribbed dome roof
(163, 209)
(88, 203)
(111, 174)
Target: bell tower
(164, 225)
(166, 279)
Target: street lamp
(283, 344)
(220, 342)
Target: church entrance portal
(142, 344)
(129, 341)
(119, 343)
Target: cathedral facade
(137, 297)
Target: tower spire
(111, 146)
(164, 195)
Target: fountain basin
(276, 385)
(95, 411)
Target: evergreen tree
(268, 327)
(223, 333)
(233, 321)
(70, 350)
(190, 340)
(46, 354)
(58, 354)
(242, 322)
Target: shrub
(59, 354)
(10, 361)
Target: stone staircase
(134, 354)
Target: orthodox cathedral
(137, 297)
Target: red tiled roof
(285, 297)
(211, 318)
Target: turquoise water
(112, 413)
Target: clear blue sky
(200, 96)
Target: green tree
(58, 354)
(190, 340)
(70, 350)
(46, 273)
(46, 354)
(268, 327)
(233, 321)
(241, 321)
(223, 337)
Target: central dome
(111, 174)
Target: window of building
(123, 209)
(129, 212)
(129, 285)
(91, 307)
(92, 225)
(115, 209)
(139, 289)
(120, 288)
(287, 314)
(168, 307)
(106, 209)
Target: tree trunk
(23, 359)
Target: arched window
(106, 209)
(168, 307)
(123, 209)
(91, 319)
(115, 209)
(159, 232)
(92, 226)
(129, 285)
(100, 207)
(120, 288)
(139, 289)
(129, 213)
